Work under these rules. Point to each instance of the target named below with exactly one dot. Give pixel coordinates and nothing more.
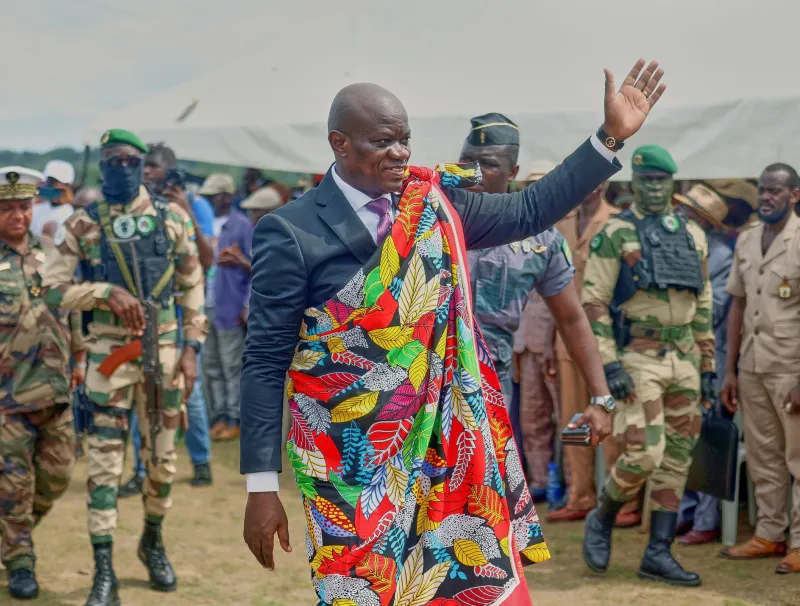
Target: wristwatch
(610, 142)
(194, 344)
(605, 402)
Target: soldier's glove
(619, 381)
(708, 392)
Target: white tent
(731, 107)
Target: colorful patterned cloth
(400, 441)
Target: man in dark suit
(306, 251)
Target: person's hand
(598, 419)
(263, 518)
(627, 108)
(550, 369)
(730, 392)
(233, 257)
(792, 402)
(177, 195)
(78, 374)
(619, 381)
(187, 366)
(128, 309)
(707, 392)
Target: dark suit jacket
(306, 251)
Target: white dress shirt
(267, 481)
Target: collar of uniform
(792, 226)
(357, 199)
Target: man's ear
(339, 142)
(512, 176)
(795, 195)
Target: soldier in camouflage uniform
(504, 277)
(36, 432)
(171, 274)
(648, 295)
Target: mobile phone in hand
(580, 436)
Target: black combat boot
(202, 475)
(131, 488)
(153, 556)
(22, 584)
(105, 589)
(597, 535)
(658, 563)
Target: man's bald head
(368, 132)
(359, 101)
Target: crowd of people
(143, 308)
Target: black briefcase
(714, 459)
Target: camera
(176, 177)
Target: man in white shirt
(55, 197)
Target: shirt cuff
(608, 154)
(263, 481)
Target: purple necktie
(381, 208)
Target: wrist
(610, 138)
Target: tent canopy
(730, 109)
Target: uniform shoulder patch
(596, 242)
(670, 223)
(60, 236)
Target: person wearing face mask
(648, 296)
(764, 346)
(99, 238)
(55, 195)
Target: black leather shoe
(131, 488)
(597, 535)
(658, 563)
(22, 584)
(202, 475)
(153, 556)
(105, 589)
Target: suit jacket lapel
(337, 213)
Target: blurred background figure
(55, 196)
(262, 202)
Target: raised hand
(627, 108)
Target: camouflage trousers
(106, 454)
(38, 452)
(658, 428)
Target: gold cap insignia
(12, 177)
(638, 160)
(483, 136)
(106, 137)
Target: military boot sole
(642, 574)
(20, 596)
(155, 585)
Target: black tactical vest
(669, 258)
(154, 252)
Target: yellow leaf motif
(314, 462)
(396, 484)
(394, 336)
(463, 411)
(441, 346)
(336, 345)
(468, 553)
(390, 262)
(415, 588)
(504, 545)
(344, 602)
(418, 370)
(411, 296)
(306, 359)
(537, 553)
(290, 391)
(354, 407)
(325, 553)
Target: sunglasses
(119, 162)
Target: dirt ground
(204, 541)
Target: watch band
(606, 402)
(194, 344)
(610, 142)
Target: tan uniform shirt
(771, 284)
(579, 244)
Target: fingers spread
(646, 75)
(630, 80)
(653, 83)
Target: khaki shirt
(580, 249)
(771, 285)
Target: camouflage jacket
(79, 240)
(503, 278)
(35, 340)
(617, 243)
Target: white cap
(18, 183)
(61, 171)
(266, 198)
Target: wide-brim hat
(706, 203)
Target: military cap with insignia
(118, 136)
(493, 129)
(19, 183)
(653, 159)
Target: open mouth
(398, 171)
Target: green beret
(653, 158)
(493, 129)
(119, 136)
